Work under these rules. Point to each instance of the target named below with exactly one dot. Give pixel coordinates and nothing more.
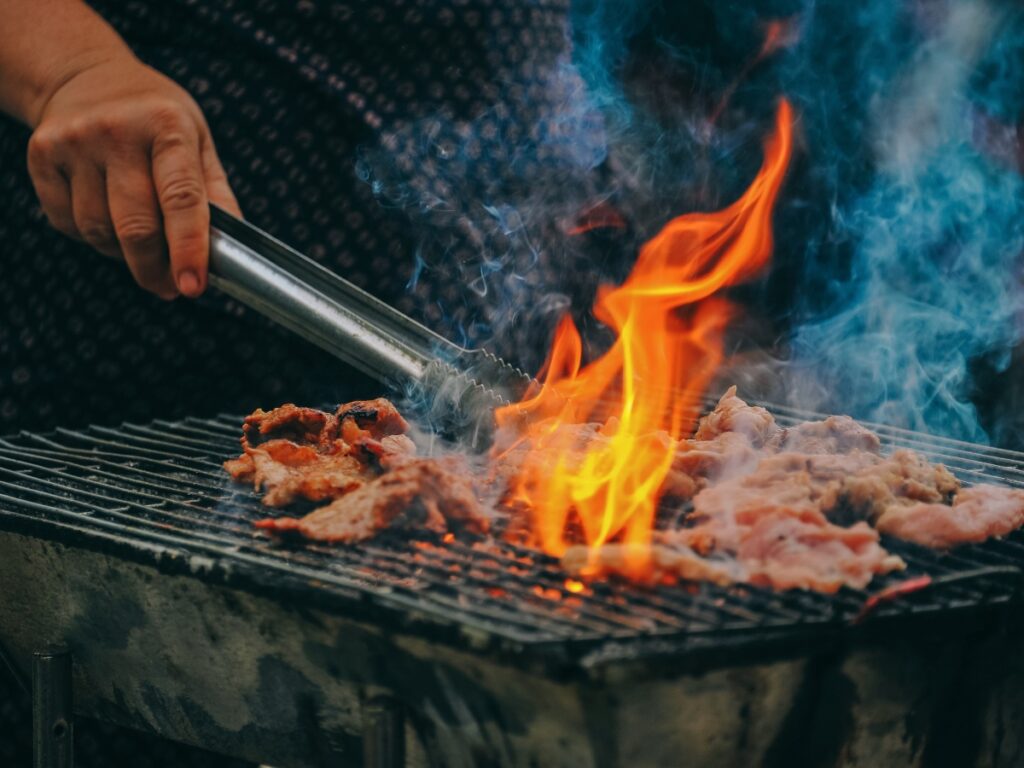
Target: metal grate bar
(898, 434)
(94, 490)
(162, 486)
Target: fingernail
(188, 283)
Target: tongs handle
(296, 292)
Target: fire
(778, 34)
(669, 325)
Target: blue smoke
(899, 233)
(487, 194)
(930, 217)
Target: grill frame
(43, 493)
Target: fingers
(51, 185)
(89, 208)
(135, 213)
(181, 191)
(139, 189)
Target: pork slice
(306, 426)
(853, 486)
(903, 478)
(977, 513)
(836, 434)
(773, 523)
(374, 419)
(288, 472)
(787, 552)
(703, 461)
(420, 494)
(734, 415)
(669, 562)
(301, 453)
(387, 450)
(728, 441)
(379, 418)
(242, 469)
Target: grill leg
(52, 719)
(383, 734)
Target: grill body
(257, 677)
(129, 545)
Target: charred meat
(417, 494)
(361, 461)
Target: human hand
(122, 158)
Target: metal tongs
(459, 387)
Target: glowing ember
(669, 326)
(574, 586)
(778, 34)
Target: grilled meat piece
(671, 562)
(735, 436)
(288, 472)
(351, 422)
(388, 448)
(904, 478)
(787, 552)
(301, 453)
(306, 426)
(698, 462)
(733, 415)
(836, 434)
(795, 508)
(377, 417)
(977, 513)
(800, 520)
(773, 522)
(777, 546)
(418, 494)
(242, 469)
(359, 459)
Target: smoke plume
(898, 237)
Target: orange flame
(778, 34)
(670, 328)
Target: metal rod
(52, 718)
(383, 734)
(299, 294)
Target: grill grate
(157, 492)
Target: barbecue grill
(130, 547)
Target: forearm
(44, 43)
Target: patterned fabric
(310, 104)
(349, 131)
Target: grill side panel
(262, 679)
